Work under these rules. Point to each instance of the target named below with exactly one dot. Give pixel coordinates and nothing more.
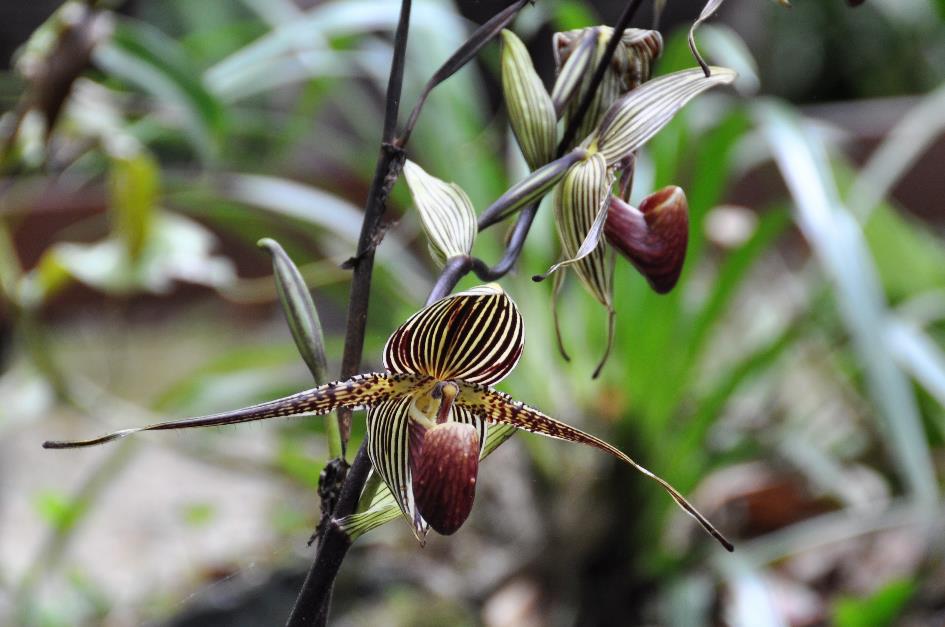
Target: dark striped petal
(531, 113)
(581, 210)
(475, 336)
(642, 47)
(653, 237)
(356, 393)
(445, 211)
(578, 202)
(382, 508)
(444, 461)
(640, 114)
(499, 407)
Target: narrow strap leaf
(636, 117)
(357, 392)
(482, 35)
(446, 213)
(477, 335)
(500, 407)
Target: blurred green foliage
(215, 122)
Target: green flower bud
(531, 112)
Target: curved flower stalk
(430, 411)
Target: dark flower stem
(622, 22)
(312, 605)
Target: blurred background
(793, 383)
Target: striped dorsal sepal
(496, 406)
(475, 336)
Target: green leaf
(881, 608)
(840, 248)
(61, 512)
(445, 211)
(642, 113)
(198, 514)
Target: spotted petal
(499, 407)
(355, 393)
(474, 336)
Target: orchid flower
(429, 411)
(592, 217)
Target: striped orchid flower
(430, 411)
(591, 183)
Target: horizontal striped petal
(476, 336)
(445, 211)
(356, 393)
(531, 112)
(499, 407)
(640, 114)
